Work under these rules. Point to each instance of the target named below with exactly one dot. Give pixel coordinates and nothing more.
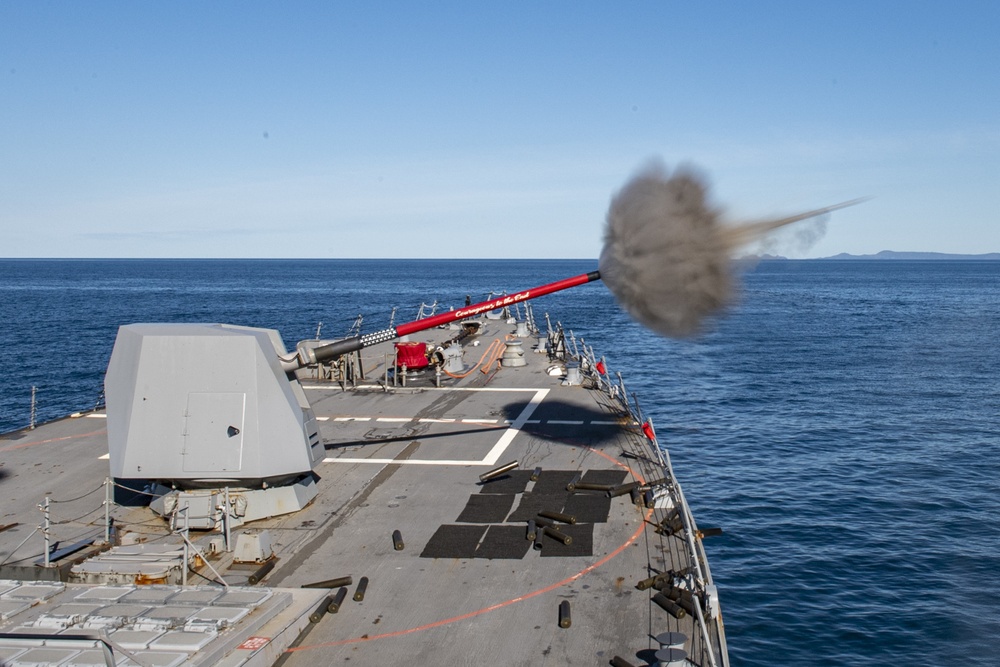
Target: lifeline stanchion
(46, 525)
(107, 510)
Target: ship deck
(465, 584)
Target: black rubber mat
(454, 542)
(532, 503)
(588, 507)
(504, 542)
(612, 477)
(486, 508)
(515, 481)
(583, 542)
(553, 481)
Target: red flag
(600, 367)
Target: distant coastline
(895, 255)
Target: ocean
(840, 422)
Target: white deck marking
(491, 457)
(96, 415)
(508, 437)
(572, 422)
(393, 419)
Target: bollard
(397, 540)
(359, 594)
(496, 472)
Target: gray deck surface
(468, 587)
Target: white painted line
(508, 437)
(479, 421)
(412, 462)
(104, 458)
(322, 419)
(491, 457)
(568, 422)
(393, 419)
(428, 420)
(352, 419)
(96, 415)
(532, 421)
(598, 422)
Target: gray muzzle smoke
(667, 255)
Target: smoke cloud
(667, 255)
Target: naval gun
(214, 417)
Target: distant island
(892, 254)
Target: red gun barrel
(346, 345)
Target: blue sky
(323, 129)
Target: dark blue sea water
(841, 423)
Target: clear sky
(467, 129)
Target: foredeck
(467, 585)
